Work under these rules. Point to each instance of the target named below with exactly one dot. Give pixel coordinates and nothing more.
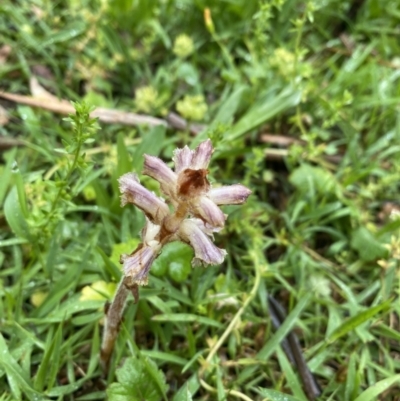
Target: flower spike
(196, 213)
(194, 217)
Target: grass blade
(263, 112)
(378, 388)
(355, 321)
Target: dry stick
(7, 143)
(176, 121)
(292, 348)
(114, 315)
(104, 115)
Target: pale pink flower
(195, 215)
(189, 184)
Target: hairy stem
(113, 320)
(116, 309)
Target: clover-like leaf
(175, 258)
(138, 379)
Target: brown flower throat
(193, 182)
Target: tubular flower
(195, 216)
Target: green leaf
(184, 395)
(159, 268)
(170, 291)
(16, 376)
(228, 109)
(179, 270)
(278, 337)
(61, 288)
(262, 112)
(138, 380)
(188, 389)
(307, 178)
(6, 173)
(12, 241)
(14, 215)
(67, 389)
(352, 380)
(50, 361)
(291, 378)
(188, 73)
(102, 197)
(378, 388)
(355, 321)
(165, 356)
(124, 161)
(176, 259)
(111, 268)
(385, 331)
(94, 352)
(75, 28)
(152, 143)
(225, 113)
(368, 247)
(273, 395)
(221, 394)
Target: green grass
(320, 233)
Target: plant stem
(113, 320)
(66, 180)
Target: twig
(280, 140)
(178, 122)
(291, 346)
(104, 115)
(280, 154)
(7, 143)
(108, 116)
(347, 53)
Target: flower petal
(202, 155)
(208, 211)
(229, 195)
(157, 169)
(138, 264)
(182, 159)
(133, 192)
(150, 232)
(202, 245)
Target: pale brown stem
(113, 320)
(116, 309)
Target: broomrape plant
(190, 214)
